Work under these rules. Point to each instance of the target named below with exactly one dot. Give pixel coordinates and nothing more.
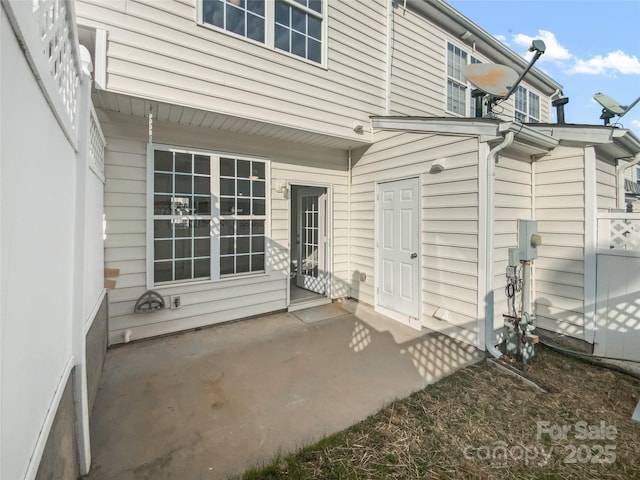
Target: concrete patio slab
(211, 403)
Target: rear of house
(264, 156)
(271, 144)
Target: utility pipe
(620, 171)
(491, 173)
(387, 106)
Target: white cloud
(635, 124)
(554, 51)
(502, 39)
(612, 63)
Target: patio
(213, 402)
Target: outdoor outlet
(175, 302)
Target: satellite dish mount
(611, 107)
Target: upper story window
(637, 175)
(526, 106)
(458, 89)
(456, 84)
(209, 216)
(292, 26)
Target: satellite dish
(493, 79)
(500, 81)
(611, 107)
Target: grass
(482, 423)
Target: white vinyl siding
(512, 202)
(606, 185)
(559, 269)
(230, 298)
(157, 50)
(449, 214)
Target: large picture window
(292, 26)
(209, 216)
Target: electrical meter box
(528, 239)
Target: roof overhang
(527, 141)
(611, 142)
(191, 116)
(458, 25)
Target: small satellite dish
(493, 79)
(611, 107)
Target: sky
(592, 46)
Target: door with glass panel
(312, 255)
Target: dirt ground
(483, 423)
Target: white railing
(47, 30)
(96, 145)
(619, 232)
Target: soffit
(186, 115)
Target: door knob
(414, 255)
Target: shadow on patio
(211, 403)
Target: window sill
(222, 279)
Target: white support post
(590, 243)
(81, 396)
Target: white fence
(618, 286)
(48, 91)
(48, 32)
(619, 231)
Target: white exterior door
(398, 269)
(312, 271)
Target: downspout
(489, 301)
(389, 46)
(350, 278)
(620, 171)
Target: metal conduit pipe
(620, 170)
(491, 172)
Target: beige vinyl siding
(419, 76)
(157, 50)
(419, 62)
(606, 184)
(449, 222)
(559, 269)
(512, 202)
(218, 301)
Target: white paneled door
(312, 206)
(398, 269)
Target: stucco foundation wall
(96, 344)
(60, 459)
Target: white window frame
(215, 215)
(469, 109)
(270, 22)
(526, 111)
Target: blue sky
(592, 46)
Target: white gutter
(489, 300)
(620, 171)
(387, 107)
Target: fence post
(79, 336)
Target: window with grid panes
(293, 26)
(203, 204)
(526, 106)
(456, 83)
(242, 215)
